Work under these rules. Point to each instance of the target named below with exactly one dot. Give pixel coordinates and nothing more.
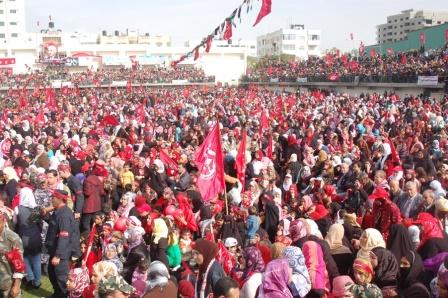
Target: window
(13, 23)
(314, 37)
(289, 47)
(14, 35)
(2, 35)
(419, 23)
(401, 19)
(289, 37)
(13, 11)
(428, 22)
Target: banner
(274, 80)
(149, 60)
(179, 82)
(119, 83)
(59, 84)
(71, 61)
(117, 61)
(7, 61)
(428, 80)
(302, 80)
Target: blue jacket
(253, 224)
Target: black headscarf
(399, 242)
(230, 229)
(206, 212)
(409, 276)
(386, 272)
(196, 199)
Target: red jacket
(93, 191)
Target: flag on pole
(266, 7)
(240, 163)
(210, 162)
(422, 38)
(270, 152)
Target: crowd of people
(370, 67)
(340, 196)
(144, 75)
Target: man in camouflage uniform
(10, 280)
(114, 287)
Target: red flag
(446, 34)
(422, 38)
(390, 51)
(372, 53)
(90, 242)
(394, 154)
(208, 44)
(264, 11)
(210, 162)
(5, 116)
(228, 30)
(140, 113)
(404, 59)
(196, 53)
(264, 121)
(129, 87)
(353, 65)
(240, 163)
(109, 120)
(329, 59)
(361, 49)
(224, 257)
(270, 145)
(168, 161)
(40, 118)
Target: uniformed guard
(60, 242)
(12, 266)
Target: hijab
(300, 276)
(374, 239)
(254, 261)
(275, 279)
(208, 250)
(134, 237)
(159, 230)
(116, 258)
(158, 275)
(298, 230)
(81, 279)
(341, 286)
(431, 227)
(334, 239)
(313, 229)
(399, 241)
(387, 270)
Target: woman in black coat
(137, 253)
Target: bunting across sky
(225, 28)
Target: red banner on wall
(422, 38)
(7, 61)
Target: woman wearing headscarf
(11, 181)
(230, 229)
(432, 238)
(28, 228)
(363, 272)
(78, 280)
(437, 188)
(159, 241)
(276, 279)
(210, 271)
(352, 229)
(159, 283)
(314, 260)
(370, 239)
(341, 287)
(301, 283)
(252, 272)
(342, 254)
(300, 232)
(111, 255)
(101, 271)
(137, 251)
(386, 270)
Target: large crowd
(144, 75)
(370, 67)
(341, 196)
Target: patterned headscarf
(298, 229)
(134, 237)
(114, 283)
(81, 280)
(300, 275)
(254, 261)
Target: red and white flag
(210, 162)
(266, 7)
(240, 163)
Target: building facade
(294, 40)
(12, 20)
(398, 26)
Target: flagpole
(225, 186)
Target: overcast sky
(194, 19)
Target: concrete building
(134, 36)
(398, 26)
(294, 40)
(12, 22)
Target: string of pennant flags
(225, 28)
